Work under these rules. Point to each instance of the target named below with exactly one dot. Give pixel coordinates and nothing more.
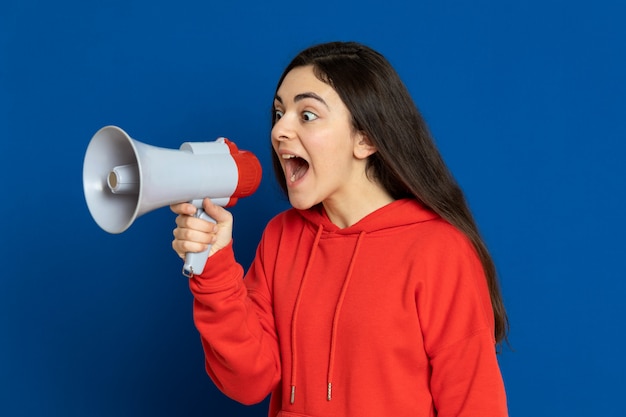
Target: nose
(282, 130)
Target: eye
(277, 114)
(308, 116)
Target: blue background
(526, 100)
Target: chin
(301, 204)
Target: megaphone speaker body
(124, 178)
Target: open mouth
(295, 167)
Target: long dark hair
(407, 162)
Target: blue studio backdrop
(526, 100)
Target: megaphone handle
(195, 261)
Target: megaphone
(124, 179)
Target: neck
(348, 211)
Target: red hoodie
(388, 317)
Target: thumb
(224, 220)
(217, 213)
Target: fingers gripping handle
(195, 261)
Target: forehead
(303, 80)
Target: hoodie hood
(395, 214)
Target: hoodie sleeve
(236, 326)
(458, 327)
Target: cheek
(274, 143)
(330, 159)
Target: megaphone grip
(195, 261)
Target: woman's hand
(194, 235)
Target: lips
(295, 167)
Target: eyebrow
(303, 96)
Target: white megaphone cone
(124, 179)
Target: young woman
(374, 295)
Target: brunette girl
(375, 294)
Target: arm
(457, 322)
(237, 328)
(236, 324)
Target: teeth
(288, 156)
(293, 178)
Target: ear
(363, 146)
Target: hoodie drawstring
(333, 338)
(295, 314)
